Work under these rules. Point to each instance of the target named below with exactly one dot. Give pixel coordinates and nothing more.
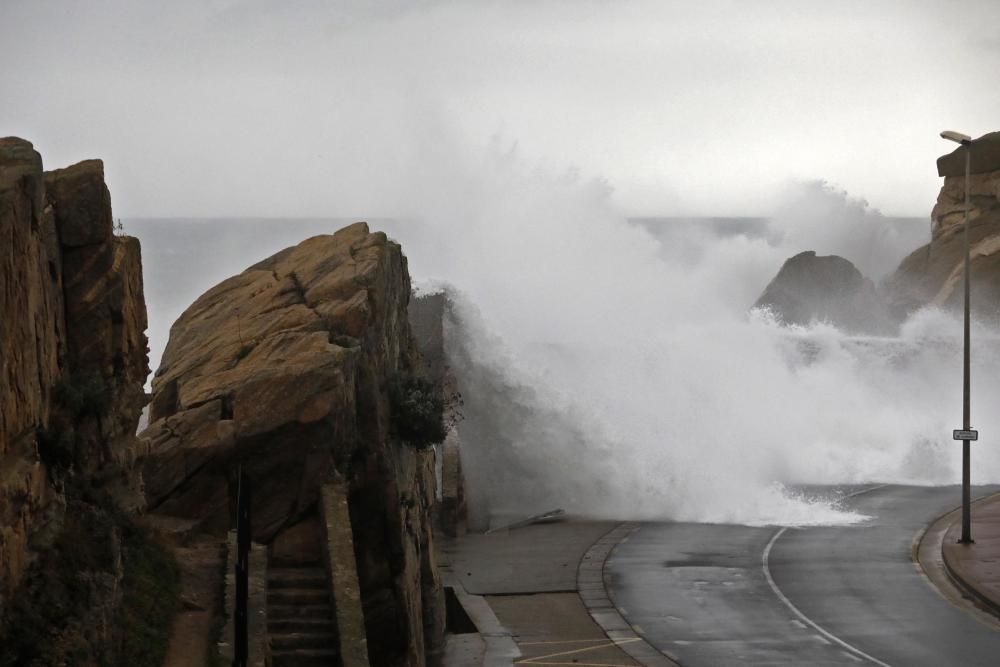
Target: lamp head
(957, 137)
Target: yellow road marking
(563, 641)
(532, 661)
(577, 664)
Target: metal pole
(966, 410)
(240, 634)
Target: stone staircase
(300, 615)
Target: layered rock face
(809, 287)
(72, 339)
(933, 273)
(285, 369)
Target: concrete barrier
(345, 590)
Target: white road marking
(797, 623)
(853, 650)
(867, 489)
(821, 639)
(851, 656)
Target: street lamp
(966, 435)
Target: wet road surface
(720, 595)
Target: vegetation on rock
(150, 599)
(74, 398)
(418, 410)
(104, 594)
(83, 395)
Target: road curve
(718, 595)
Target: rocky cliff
(32, 334)
(72, 335)
(933, 273)
(286, 370)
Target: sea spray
(604, 378)
(615, 371)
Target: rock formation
(72, 335)
(285, 369)
(73, 314)
(932, 274)
(810, 287)
(830, 288)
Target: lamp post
(966, 435)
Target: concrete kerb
(985, 600)
(500, 648)
(592, 585)
(930, 558)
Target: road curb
(499, 647)
(985, 600)
(592, 585)
(928, 555)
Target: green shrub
(418, 407)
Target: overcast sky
(309, 108)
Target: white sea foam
(605, 379)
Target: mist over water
(611, 368)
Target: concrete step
(296, 577)
(302, 624)
(299, 640)
(288, 612)
(306, 596)
(305, 658)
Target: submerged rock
(824, 288)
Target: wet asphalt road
(826, 596)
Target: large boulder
(932, 274)
(285, 370)
(824, 288)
